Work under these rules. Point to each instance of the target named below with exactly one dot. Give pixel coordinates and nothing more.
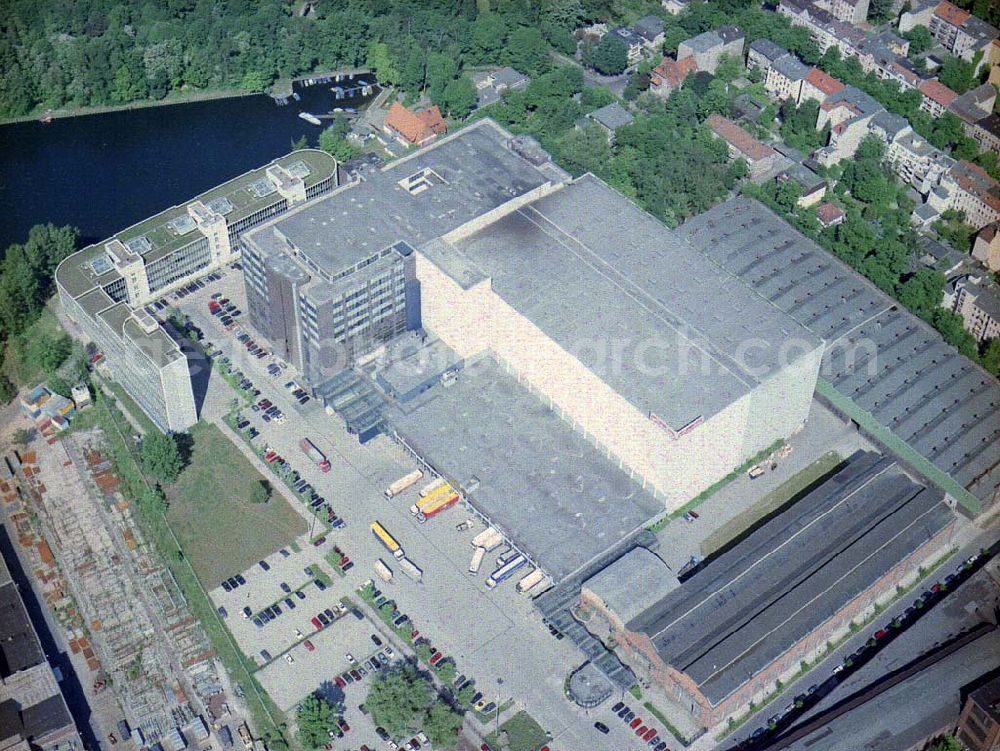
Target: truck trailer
(506, 571)
(310, 450)
(441, 503)
(383, 571)
(430, 487)
(403, 483)
(477, 560)
(410, 569)
(530, 581)
(441, 491)
(387, 540)
(488, 539)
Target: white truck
(477, 560)
(403, 483)
(488, 539)
(410, 569)
(383, 571)
(431, 486)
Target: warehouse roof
(454, 180)
(750, 604)
(590, 268)
(881, 357)
(546, 486)
(633, 583)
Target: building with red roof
(760, 157)
(670, 74)
(936, 97)
(829, 214)
(414, 128)
(819, 85)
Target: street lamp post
(499, 683)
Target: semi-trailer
(441, 491)
(477, 560)
(530, 581)
(441, 503)
(387, 540)
(310, 450)
(506, 571)
(383, 571)
(410, 569)
(488, 539)
(433, 485)
(403, 483)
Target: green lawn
(770, 503)
(523, 733)
(212, 494)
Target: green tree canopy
(161, 457)
(398, 700)
(527, 51)
(459, 98)
(315, 718)
(958, 74)
(920, 40)
(609, 56)
(441, 724)
(260, 492)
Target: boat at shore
(46, 118)
(310, 118)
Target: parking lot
(491, 634)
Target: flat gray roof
(654, 318)
(880, 356)
(543, 484)
(475, 170)
(633, 583)
(414, 368)
(748, 606)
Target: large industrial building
(104, 287)
(884, 367)
(726, 636)
(675, 369)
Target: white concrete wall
(472, 320)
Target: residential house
(987, 133)
(670, 74)
(979, 723)
(812, 187)
(986, 248)
(829, 214)
(974, 109)
(490, 85)
(916, 162)
(993, 60)
(784, 78)
(851, 11)
(979, 306)
(917, 13)
(707, 48)
(936, 97)
(650, 29)
(819, 85)
(824, 29)
(760, 157)
(610, 118)
(634, 44)
(960, 32)
(934, 254)
(889, 127)
(414, 128)
(969, 189)
(674, 7)
(762, 53)
(848, 113)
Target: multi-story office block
(104, 286)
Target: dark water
(102, 173)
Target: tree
(315, 718)
(161, 457)
(957, 74)
(21, 437)
(920, 40)
(527, 51)
(255, 80)
(585, 150)
(379, 59)
(58, 385)
(441, 725)
(333, 140)
(260, 492)
(460, 98)
(398, 700)
(7, 389)
(441, 70)
(880, 11)
(991, 356)
(729, 68)
(48, 351)
(922, 292)
(609, 56)
(153, 500)
(947, 743)
(447, 672)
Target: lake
(102, 173)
